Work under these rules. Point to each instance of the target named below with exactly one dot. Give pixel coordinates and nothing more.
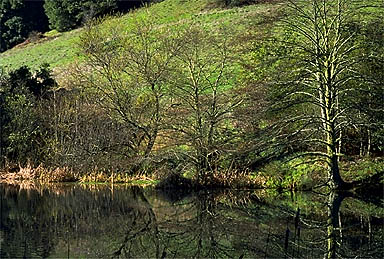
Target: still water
(75, 221)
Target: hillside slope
(60, 50)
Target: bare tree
(126, 70)
(201, 114)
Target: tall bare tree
(324, 52)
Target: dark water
(74, 221)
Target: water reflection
(103, 222)
(341, 243)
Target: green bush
(18, 18)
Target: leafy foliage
(162, 89)
(293, 174)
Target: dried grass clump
(41, 174)
(233, 178)
(96, 177)
(58, 175)
(13, 175)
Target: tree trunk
(1, 132)
(334, 177)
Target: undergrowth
(355, 169)
(292, 174)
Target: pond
(100, 221)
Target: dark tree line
(20, 19)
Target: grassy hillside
(59, 50)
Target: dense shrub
(23, 127)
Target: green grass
(52, 33)
(60, 49)
(56, 51)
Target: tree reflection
(141, 231)
(101, 222)
(338, 234)
(354, 239)
(190, 228)
(334, 237)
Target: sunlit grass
(56, 51)
(28, 175)
(60, 49)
